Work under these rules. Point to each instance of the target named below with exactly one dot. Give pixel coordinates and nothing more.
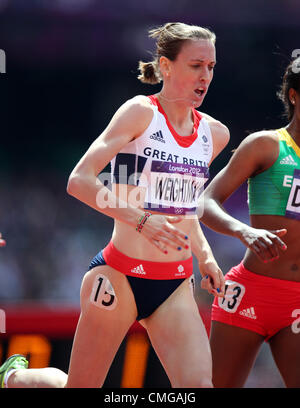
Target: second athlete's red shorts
(258, 303)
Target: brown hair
(170, 38)
(291, 79)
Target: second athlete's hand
(264, 243)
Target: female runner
(160, 149)
(262, 301)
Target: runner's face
(192, 71)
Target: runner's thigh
(180, 340)
(285, 347)
(107, 311)
(234, 350)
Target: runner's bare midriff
(134, 244)
(287, 266)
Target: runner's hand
(212, 278)
(264, 243)
(160, 231)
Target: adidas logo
(248, 313)
(288, 160)
(139, 270)
(158, 136)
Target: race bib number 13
(234, 293)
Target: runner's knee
(194, 383)
(196, 379)
(52, 378)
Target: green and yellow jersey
(276, 191)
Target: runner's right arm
(130, 121)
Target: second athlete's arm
(254, 155)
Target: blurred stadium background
(70, 64)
